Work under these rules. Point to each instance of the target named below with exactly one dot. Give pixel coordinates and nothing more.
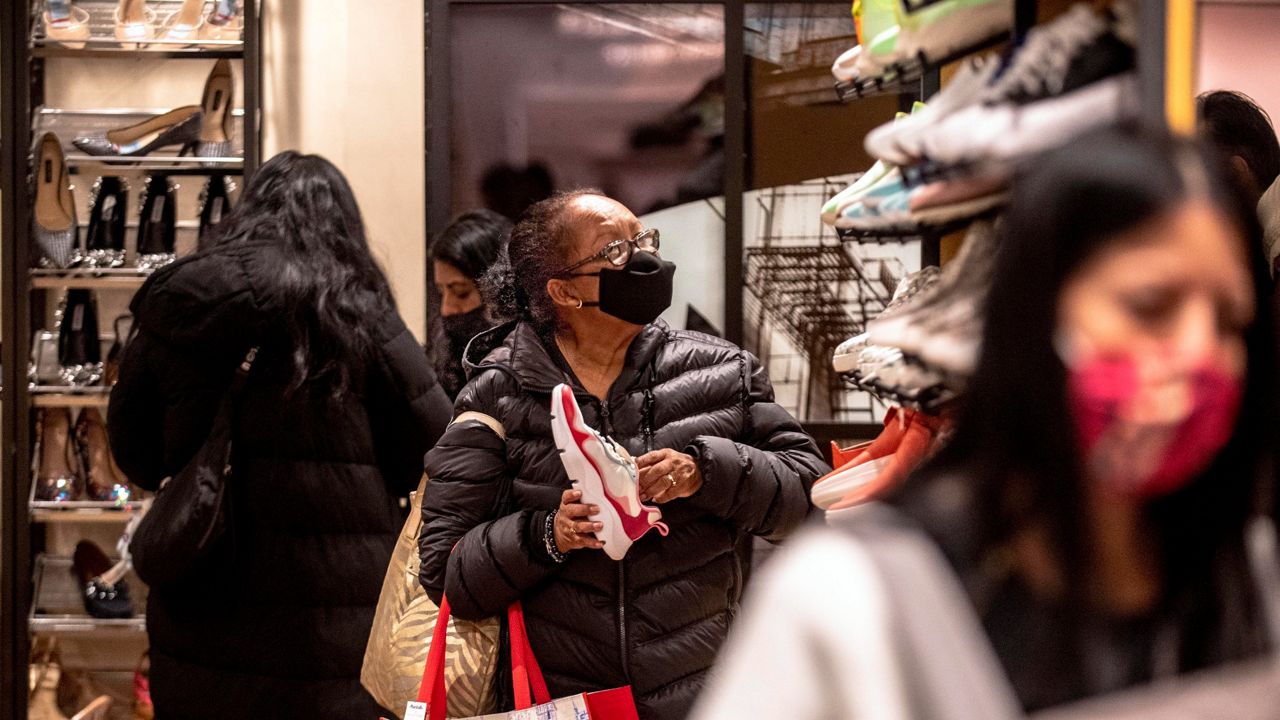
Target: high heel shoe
(44, 368)
(135, 24)
(104, 247)
(101, 482)
(57, 478)
(215, 105)
(111, 368)
(45, 674)
(184, 24)
(180, 126)
(215, 203)
(53, 223)
(66, 23)
(157, 225)
(224, 24)
(79, 348)
(105, 597)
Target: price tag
(415, 711)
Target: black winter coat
(656, 619)
(282, 631)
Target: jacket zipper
(604, 417)
(622, 620)
(622, 569)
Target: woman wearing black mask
(719, 459)
(460, 256)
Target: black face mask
(462, 327)
(637, 292)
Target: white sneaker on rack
(945, 28)
(845, 68)
(894, 142)
(1009, 132)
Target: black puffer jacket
(656, 619)
(315, 497)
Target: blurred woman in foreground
(1090, 514)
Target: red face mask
(1139, 457)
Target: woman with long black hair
(336, 414)
(460, 256)
(1090, 514)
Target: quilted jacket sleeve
(408, 408)
(472, 550)
(759, 482)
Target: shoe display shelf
(904, 76)
(927, 400)
(45, 597)
(68, 398)
(903, 233)
(90, 278)
(102, 41)
(70, 124)
(58, 606)
(81, 510)
(928, 171)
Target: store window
(805, 290)
(626, 98)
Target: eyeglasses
(619, 252)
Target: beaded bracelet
(549, 539)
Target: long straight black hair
(330, 287)
(1013, 461)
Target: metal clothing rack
(25, 599)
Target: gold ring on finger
(671, 479)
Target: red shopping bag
(529, 686)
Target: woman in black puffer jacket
(723, 461)
(336, 414)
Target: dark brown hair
(516, 283)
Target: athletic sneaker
(942, 202)
(879, 38)
(894, 142)
(845, 68)
(606, 475)
(866, 211)
(945, 28)
(838, 202)
(1076, 49)
(1010, 131)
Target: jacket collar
(523, 354)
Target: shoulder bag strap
(233, 401)
(488, 420)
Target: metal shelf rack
(29, 57)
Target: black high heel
(79, 349)
(111, 368)
(176, 127)
(104, 247)
(104, 597)
(157, 224)
(215, 204)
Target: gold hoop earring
(579, 303)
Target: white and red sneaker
(605, 473)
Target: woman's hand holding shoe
(666, 475)
(573, 529)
